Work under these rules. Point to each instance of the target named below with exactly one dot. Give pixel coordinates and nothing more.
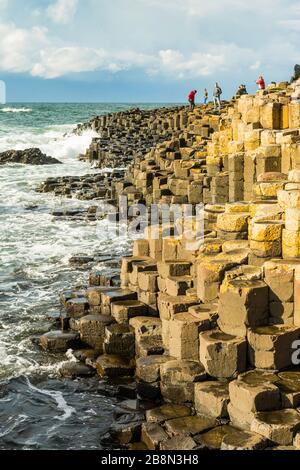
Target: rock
(148, 336)
(240, 418)
(32, 156)
(189, 425)
(153, 435)
(83, 354)
(212, 439)
(271, 346)
(211, 399)
(184, 336)
(72, 370)
(179, 442)
(242, 440)
(222, 355)
(138, 446)
(125, 310)
(278, 426)
(289, 386)
(167, 412)
(170, 306)
(242, 304)
(92, 330)
(284, 448)
(126, 433)
(77, 308)
(113, 366)
(119, 340)
(178, 379)
(255, 391)
(148, 390)
(115, 295)
(148, 368)
(58, 341)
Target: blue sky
(143, 50)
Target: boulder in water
(32, 156)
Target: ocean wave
(56, 142)
(16, 110)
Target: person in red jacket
(192, 97)
(261, 83)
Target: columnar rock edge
(209, 333)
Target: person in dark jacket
(191, 99)
(242, 90)
(217, 96)
(296, 73)
(205, 95)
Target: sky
(143, 50)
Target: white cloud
(65, 60)
(34, 51)
(19, 47)
(197, 65)
(56, 62)
(62, 11)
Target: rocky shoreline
(203, 340)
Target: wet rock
(179, 442)
(72, 370)
(138, 446)
(153, 435)
(77, 308)
(81, 260)
(92, 330)
(148, 391)
(126, 433)
(58, 341)
(32, 156)
(166, 412)
(83, 354)
(113, 366)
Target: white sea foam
(59, 398)
(55, 141)
(16, 110)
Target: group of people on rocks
(216, 96)
(242, 90)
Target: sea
(38, 409)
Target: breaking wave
(16, 110)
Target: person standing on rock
(296, 73)
(191, 98)
(217, 96)
(261, 83)
(205, 95)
